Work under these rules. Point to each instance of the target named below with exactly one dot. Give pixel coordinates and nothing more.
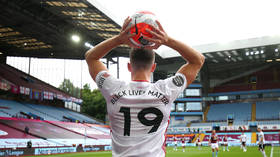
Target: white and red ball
(140, 21)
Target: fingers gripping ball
(141, 21)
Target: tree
(94, 103)
(68, 87)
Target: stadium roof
(227, 64)
(255, 50)
(43, 28)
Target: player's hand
(160, 37)
(124, 35)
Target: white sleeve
(172, 86)
(107, 84)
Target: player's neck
(141, 76)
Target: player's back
(243, 138)
(139, 119)
(225, 139)
(138, 108)
(261, 135)
(139, 114)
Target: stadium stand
(240, 123)
(25, 87)
(219, 112)
(260, 80)
(58, 113)
(15, 109)
(20, 78)
(32, 111)
(58, 133)
(40, 129)
(13, 138)
(18, 82)
(201, 124)
(4, 114)
(13, 133)
(270, 122)
(82, 129)
(79, 116)
(48, 122)
(102, 128)
(268, 110)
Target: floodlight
(75, 38)
(88, 45)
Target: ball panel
(138, 25)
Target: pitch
(190, 152)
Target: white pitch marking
(271, 153)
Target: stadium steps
(69, 129)
(44, 113)
(31, 134)
(10, 126)
(205, 113)
(253, 118)
(5, 113)
(254, 137)
(79, 116)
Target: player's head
(242, 133)
(259, 129)
(141, 59)
(213, 131)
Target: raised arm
(194, 59)
(94, 55)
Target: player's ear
(153, 67)
(129, 67)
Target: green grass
(190, 152)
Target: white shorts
(214, 145)
(199, 143)
(225, 143)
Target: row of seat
(243, 111)
(12, 109)
(16, 132)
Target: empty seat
(219, 112)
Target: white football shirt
(261, 135)
(243, 138)
(139, 113)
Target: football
(140, 22)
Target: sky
(195, 22)
(198, 22)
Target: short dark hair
(141, 58)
